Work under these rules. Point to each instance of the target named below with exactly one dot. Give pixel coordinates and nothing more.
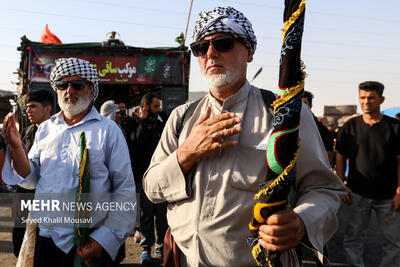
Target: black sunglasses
(76, 84)
(222, 43)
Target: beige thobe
(210, 208)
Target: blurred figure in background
(145, 138)
(111, 111)
(323, 131)
(123, 116)
(116, 112)
(39, 106)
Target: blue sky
(345, 42)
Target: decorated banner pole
(283, 142)
(81, 230)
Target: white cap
(108, 109)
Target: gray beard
(72, 109)
(222, 83)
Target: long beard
(221, 83)
(72, 109)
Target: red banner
(150, 69)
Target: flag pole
(187, 22)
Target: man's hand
(206, 137)
(10, 132)
(91, 250)
(396, 202)
(347, 198)
(283, 230)
(143, 112)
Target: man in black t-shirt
(371, 143)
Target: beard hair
(224, 81)
(72, 109)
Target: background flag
(48, 37)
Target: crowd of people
(193, 176)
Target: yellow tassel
(255, 251)
(293, 18)
(259, 206)
(289, 93)
(253, 228)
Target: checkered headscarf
(75, 66)
(227, 20)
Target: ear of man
(250, 58)
(48, 108)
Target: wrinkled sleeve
(318, 189)
(164, 179)
(120, 222)
(11, 177)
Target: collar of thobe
(231, 101)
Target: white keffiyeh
(225, 20)
(75, 66)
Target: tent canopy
(391, 112)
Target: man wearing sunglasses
(210, 172)
(54, 166)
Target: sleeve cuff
(320, 226)
(107, 240)
(11, 177)
(176, 178)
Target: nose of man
(70, 89)
(211, 52)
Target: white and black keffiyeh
(75, 66)
(226, 20)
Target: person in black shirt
(39, 106)
(145, 137)
(323, 131)
(123, 116)
(371, 143)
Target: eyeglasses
(222, 43)
(76, 84)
